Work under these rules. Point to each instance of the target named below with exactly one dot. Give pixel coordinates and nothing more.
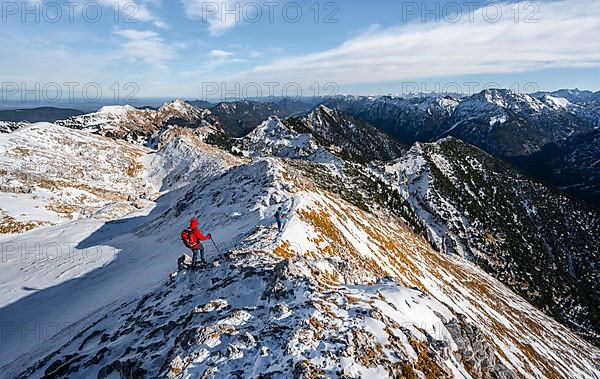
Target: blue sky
(195, 49)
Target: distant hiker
(192, 238)
(278, 217)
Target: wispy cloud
(220, 16)
(565, 36)
(146, 46)
(217, 58)
(221, 54)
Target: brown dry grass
(284, 250)
(425, 363)
(10, 225)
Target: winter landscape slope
(340, 292)
(573, 165)
(50, 173)
(350, 288)
(86, 262)
(540, 243)
(469, 203)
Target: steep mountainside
(502, 122)
(341, 292)
(349, 137)
(407, 119)
(573, 165)
(507, 124)
(538, 242)
(566, 287)
(321, 135)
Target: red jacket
(197, 232)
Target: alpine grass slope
(537, 241)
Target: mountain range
(522, 129)
(412, 244)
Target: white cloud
(219, 58)
(146, 46)
(566, 36)
(161, 24)
(220, 16)
(221, 54)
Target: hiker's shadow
(112, 230)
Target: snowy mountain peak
(557, 102)
(116, 110)
(273, 137)
(510, 100)
(324, 108)
(178, 106)
(271, 128)
(143, 126)
(324, 114)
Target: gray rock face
(11, 126)
(475, 352)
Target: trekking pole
(216, 247)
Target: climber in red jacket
(192, 238)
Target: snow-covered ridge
(10, 126)
(558, 102)
(275, 138)
(339, 292)
(55, 173)
(140, 125)
(92, 261)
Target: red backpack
(189, 238)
